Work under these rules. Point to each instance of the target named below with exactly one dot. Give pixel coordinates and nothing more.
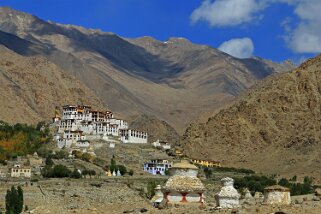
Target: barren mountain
(175, 80)
(275, 128)
(155, 128)
(31, 87)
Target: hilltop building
(157, 166)
(184, 187)
(81, 123)
(162, 144)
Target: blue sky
(272, 29)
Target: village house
(184, 187)
(206, 163)
(20, 171)
(277, 194)
(79, 123)
(162, 144)
(157, 166)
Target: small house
(19, 171)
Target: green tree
(113, 165)
(60, 171)
(122, 169)
(14, 200)
(151, 185)
(20, 199)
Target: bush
(86, 157)
(208, 172)
(122, 169)
(75, 174)
(254, 183)
(88, 172)
(61, 154)
(58, 171)
(131, 172)
(298, 188)
(49, 161)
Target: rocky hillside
(155, 128)
(31, 87)
(175, 80)
(275, 128)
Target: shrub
(61, 154)
(86, 157)
(122, 169)
(298, 188)
(49, 161)
(88, 172)
(58, 171)
(254, 183)
(208, 172)
(75, 174)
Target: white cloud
(222, 13)
(305, 37)
(240, 47)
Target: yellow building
(207, 163)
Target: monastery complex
(79, 124)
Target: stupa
(228, 197)
(184, 186)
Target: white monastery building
(157, 166)
(81, 122)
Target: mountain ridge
(175, 80)
(277, 120)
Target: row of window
(153, 169)
(21, 170)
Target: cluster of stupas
(184, 187)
